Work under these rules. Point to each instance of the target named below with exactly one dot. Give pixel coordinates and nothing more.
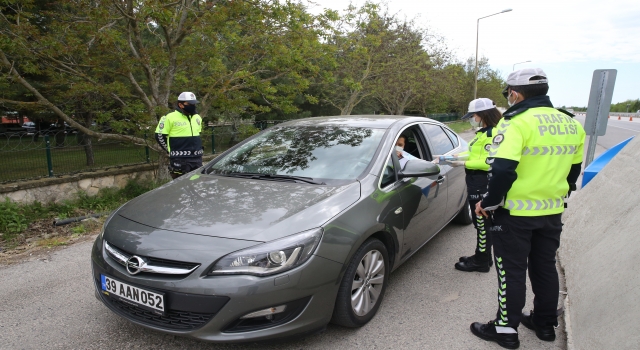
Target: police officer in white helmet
(535, 159)
(178, 133)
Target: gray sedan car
(291, 229)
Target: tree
(131, 57)
(406, 70)
(357, 45)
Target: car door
(423, 199)
(442, 143)
(457, 186)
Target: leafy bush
(15, 218)
(246, 131)
(12, 220)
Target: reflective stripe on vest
(527, 204)
(545, 144)
(550, 150)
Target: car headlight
(270, 258)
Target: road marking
(619, 127)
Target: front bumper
(204, 307)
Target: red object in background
(13, 120)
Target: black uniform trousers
(181, 166)
(477, 186)
(521, 242)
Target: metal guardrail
(616, 114)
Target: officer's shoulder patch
(487, 147)
(498, 139)
(161, 126)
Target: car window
(388, 175)
(319, 152)
(439, 140)
(453, 137)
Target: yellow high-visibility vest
(545, 143)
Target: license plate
(152, 301)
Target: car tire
(354, 305)
(464, 216)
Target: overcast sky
(568, 39)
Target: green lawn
(459, 126)
(33, 163)
(27, 159)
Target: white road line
(619, 127)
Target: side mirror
(419, 168)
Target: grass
(52, 242)
(459, 126)
(15, 219)
(33, 162)
(29, 158)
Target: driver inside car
(403, 156)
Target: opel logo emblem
(135, 264)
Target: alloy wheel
(367, 283)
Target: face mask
(399, 149)
(190, 109)
(475, 123)
(509, 101)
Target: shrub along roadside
(16, 219)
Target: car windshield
(327, 153)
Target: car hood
(237, 208)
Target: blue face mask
(189, 109)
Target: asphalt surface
(428, 304)
(49, 303)
(617, 131)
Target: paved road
(617, 131)
(50, 304)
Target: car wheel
(464, 216)
(363, 285)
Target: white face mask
(475, 123)
(509, 101)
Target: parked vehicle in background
(29, 127)
(298, 226)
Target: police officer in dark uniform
(178, 133)
(535, 159)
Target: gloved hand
(456, 163)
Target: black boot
(465, 258)
(487, 331)
(546, 333)
(473, 264)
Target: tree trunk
(163, 168)
(85, 140)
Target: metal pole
(49, 161)
(514, 65)
(475, 82)
(591, 149)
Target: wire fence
(32, 155)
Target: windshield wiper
(275, 177)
